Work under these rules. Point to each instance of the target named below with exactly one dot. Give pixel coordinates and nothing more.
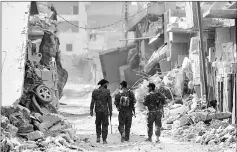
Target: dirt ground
(78, 113)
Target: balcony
(154, 10)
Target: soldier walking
(154, 102)
(125, 101)
(101, 99)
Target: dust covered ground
(77, 100)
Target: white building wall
(79, 39)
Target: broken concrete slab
(12, 130)
(4, 122)
(25, 128)
(35, 135)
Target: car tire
(44, 94)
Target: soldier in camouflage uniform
(125, 110)
(101, 99)
(154, 102)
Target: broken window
(64, 8)
(69, 47)
(75, 10)
(93, 37)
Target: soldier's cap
(152, 85)
(102, 82)
(123, 83)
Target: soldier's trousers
(125, 122)
(102, 120)
(154, 117)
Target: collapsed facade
(32, 122)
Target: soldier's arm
(133, 101)
(116, 100)
(162, 97)
(145, 103)
(110, 102)
(92, 101)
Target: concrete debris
(35, 135)
(187, 116)
(20, 134)
(12, 130)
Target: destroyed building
(32, 122)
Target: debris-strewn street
(75, 72)
(86, 129)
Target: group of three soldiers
(125, 103)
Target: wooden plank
(227, 14)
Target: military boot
(157, 139)
(122, 137)
(127, 138)
(104, 141)
(98, 139)
(149, 139)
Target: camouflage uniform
(155, 112)
(125, 113)
(101, 99)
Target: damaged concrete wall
(13, 49)
(111, 60)
(224, 35)
(110, 63)
(178, 49)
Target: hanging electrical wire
(105, 26)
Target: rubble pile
(194, 122)
(24, 131)
(169, 84)
(217, 133)
(32, 122)
(188, 117)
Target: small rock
(4, 122)
(230, 139)
(230, 129)
(12, 130)
(180, 132)
(219, 131)
(191, 136)
(211, 142)
(213, 131)
(209, 137)
(169, 126)
(198, 139)
(35, 135)
(185, 127)
(221, 135)
(222, 144)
